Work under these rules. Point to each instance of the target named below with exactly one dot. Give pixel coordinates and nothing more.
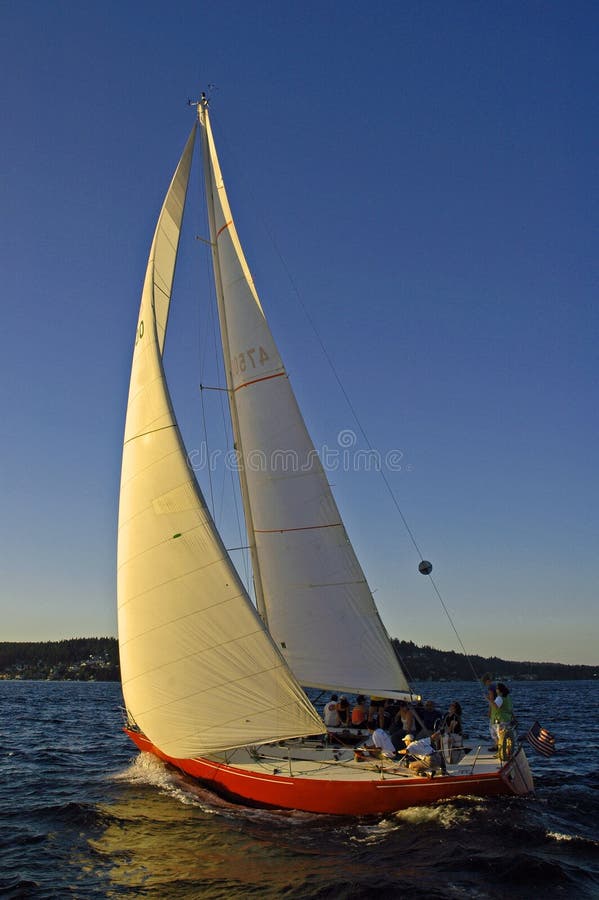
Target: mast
(238, 446)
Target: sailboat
(213, 683)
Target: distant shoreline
(97, 659)
(19, 680)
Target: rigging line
(218, 379)
(402, 663)
(240, 528)
(225, 436)
(203, 354)
(447, 613)
(208, 462)
(205, 338)
(242, 532)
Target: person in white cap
(425, 760)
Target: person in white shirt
(330, 713)
(378, 744)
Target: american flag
(541, 739)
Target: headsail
(312, 590)
(199, 671)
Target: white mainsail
(200, 673)
(310, 587)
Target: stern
(517, 775)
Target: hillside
(77, 659)
(426, 663)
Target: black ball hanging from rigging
(425, 567)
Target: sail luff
(212, 178)
(199, 672)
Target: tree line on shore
(74, 659)
(426, 663)
(97, 659)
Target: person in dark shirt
(430, 716)
(449, 736)
(452, 723)
(344, 712)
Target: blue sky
(424, 176)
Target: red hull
(345, 798)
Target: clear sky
(424, 175)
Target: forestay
(199, 671)
(311, 588)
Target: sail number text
(249, 359)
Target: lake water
(83, 814)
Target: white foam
(441, 814)
(145, 769)
(372, 834)
(579, 838)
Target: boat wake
(443, 814)
(147, 769)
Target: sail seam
(289, 707)
(162, 233)
(195, 612)
(271, 708)
(162, 584)
(197, 654)
(150, 381)
(151, 431)
(143, 469)
(201, 526)
(225, 226)
(302, 528)
(256, 380)
(163, 290)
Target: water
(83, 814)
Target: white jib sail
(200, 673)
(318, 606)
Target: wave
(18, 888)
